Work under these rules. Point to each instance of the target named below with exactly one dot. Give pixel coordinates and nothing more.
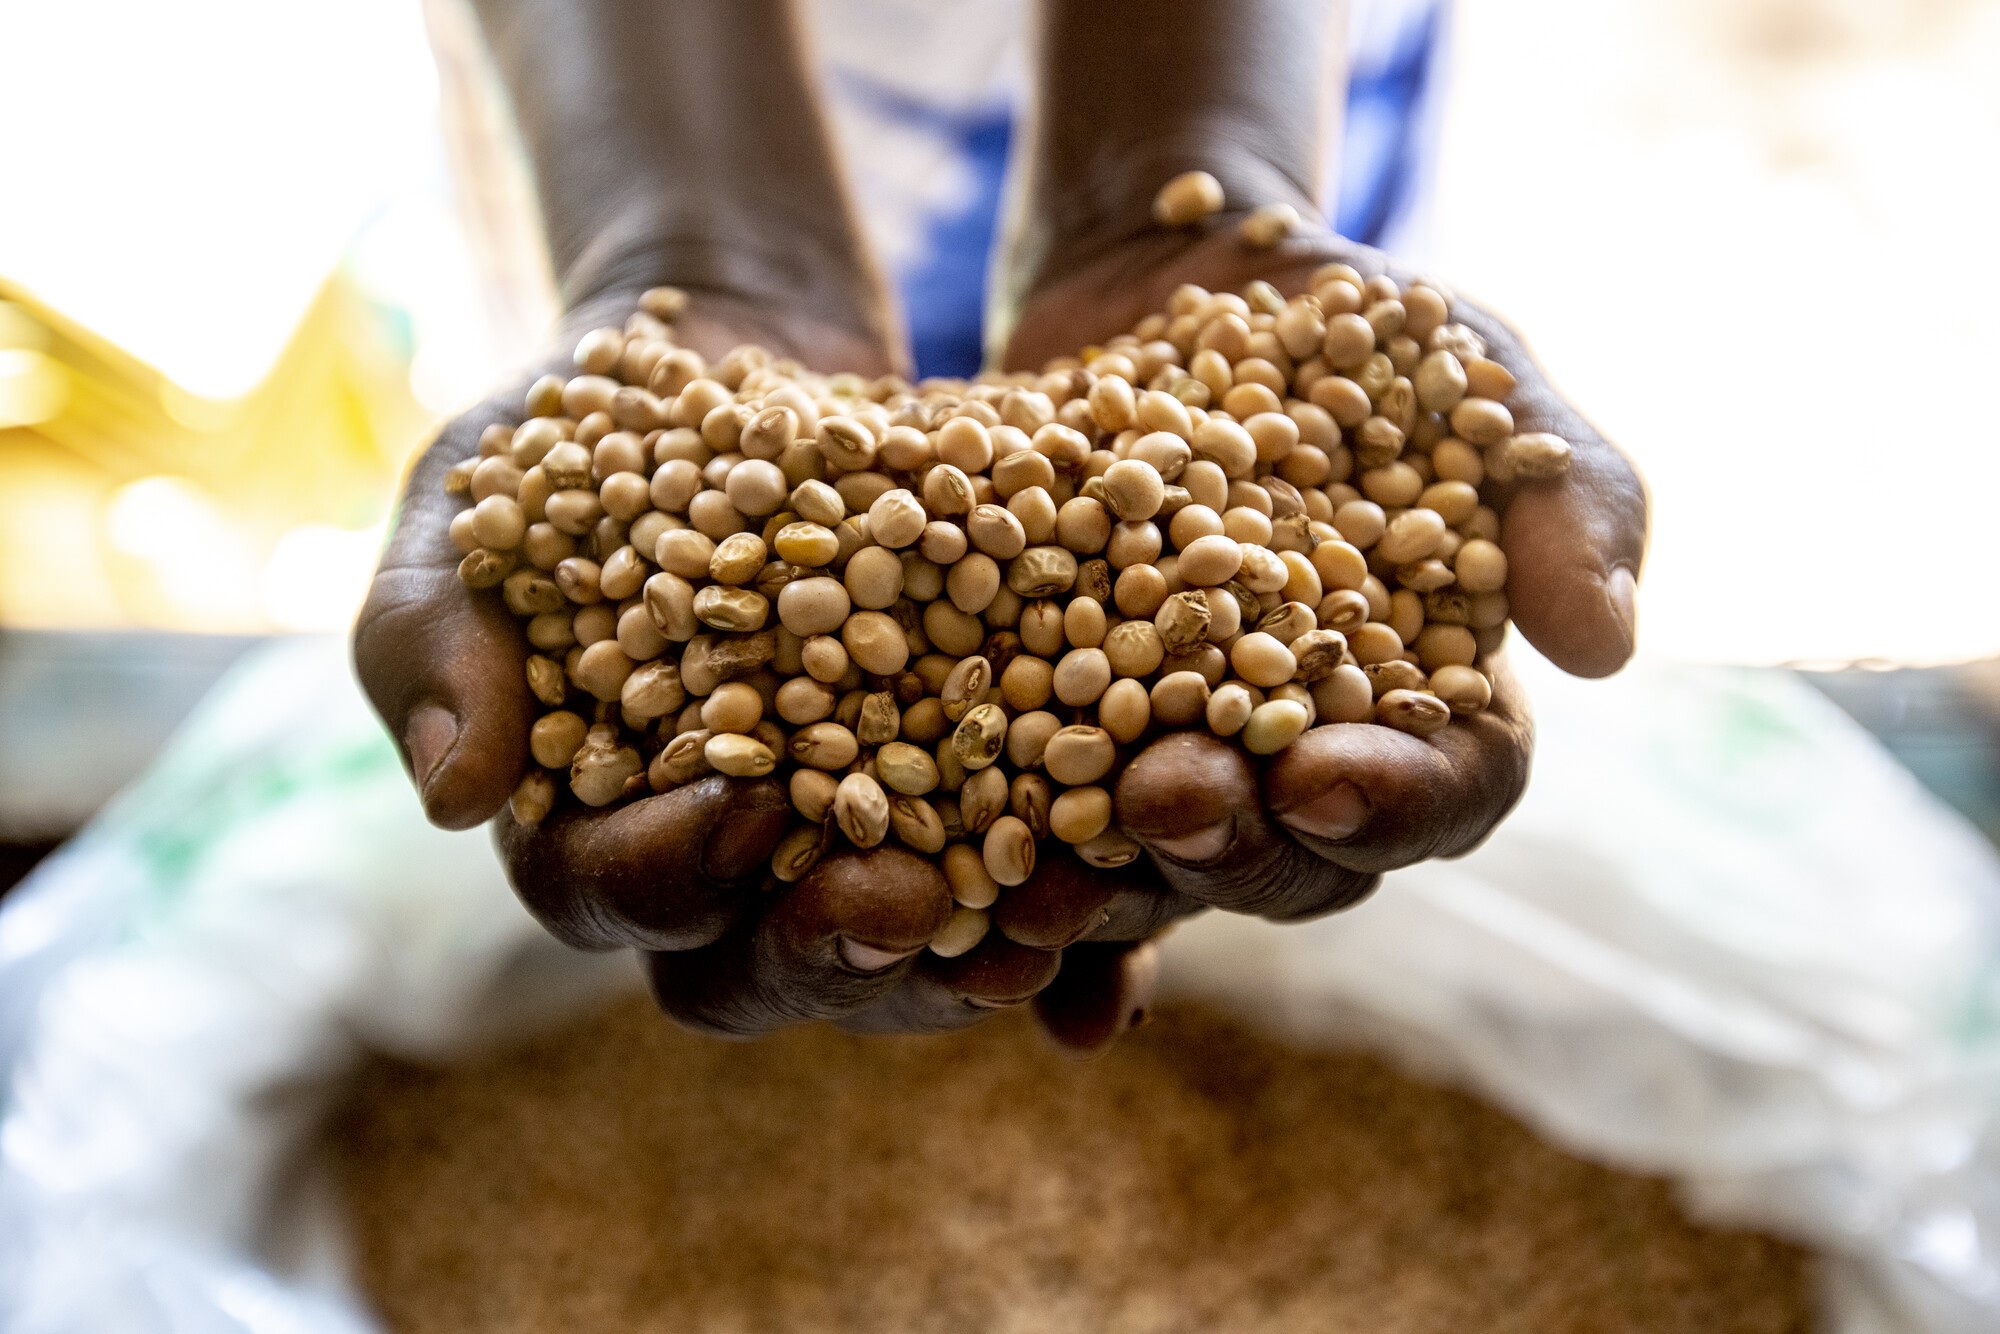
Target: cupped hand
(1311, 830)
(684, 876)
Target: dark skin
(683, 144)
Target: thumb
(442, 664)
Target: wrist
(778, 281)
(1074, 223)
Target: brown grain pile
(626, 1176)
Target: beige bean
(737, 610)
(1481, 567)
(827, 746)
(681, 761)
(880, 719)
(1110, 849)
(965, 872)
(1229, 708)
(966, 686)
(1273, 725)
(1411, 536)
(1140, 591)
(1028, 737)
(738, 756)
(1027, 683)
(906, 768)
(980, 736)
(532, 800)
(1210, 560)
(1133, 489)
(802, 700)
(812, 793)
(1262, 660)
(797, 853)
(1187, 198)
(1531, 457)
(602, 669)
(1008, 851)
(556, 737)
(816, 606)
(824, 658)
(1373, 643)
(962, 931)
(1079, 754)
(917, 824)
(1082, 676)
(1413, 712)
(1481, 421)
(896, 519)
(982, 796)
(1028, 800)
(1180, 699)
(1080, 814)
(653, 690)
(996, 531)
(602, 769)
(1344, 696)
(861, 810)
(846, 444)
(1464, 689)
(1182, 622)
(1126, 710)
(1132, 648)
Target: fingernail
(1621, 595)
(1140, 975)
(742, 841)
(1336, 814)
(1203, 845)
(429, 737)
(868, 958)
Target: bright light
(317, 576)
(156, 518)
(1766, 270)
(33, 387)
(263, 134)
(202, 566)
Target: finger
(441, 663)
(1067, 900)
(1102, 992)
(1574, 544)
(1371, 798)
(831, 945)
(1193, 802)
(939, 995)
(669, 872)
(1141, 911)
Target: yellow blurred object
(127, 500)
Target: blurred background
(1747, 236)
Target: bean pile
(944, 612)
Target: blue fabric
(944, 290)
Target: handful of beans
(943, 613)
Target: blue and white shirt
(925, 95)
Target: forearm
(1131, 92)
(680, 142)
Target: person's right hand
(684, 876)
